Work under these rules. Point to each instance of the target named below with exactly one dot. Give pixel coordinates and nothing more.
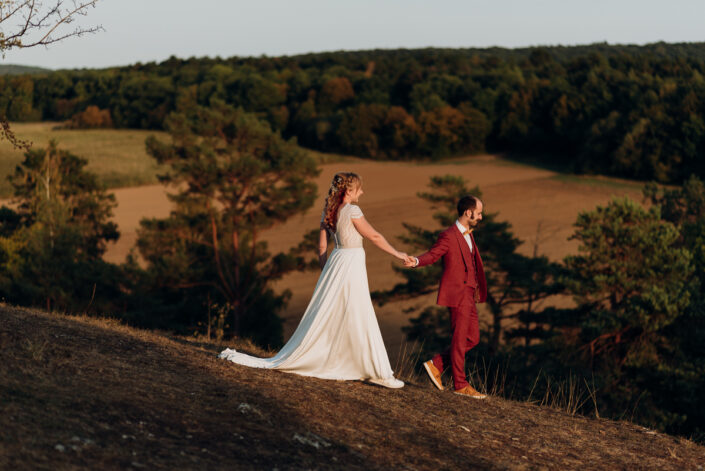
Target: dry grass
(81, 393)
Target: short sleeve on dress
(355, 212)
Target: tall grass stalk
(490, 379)
(569, 394)
(407, 361)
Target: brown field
(541, 206)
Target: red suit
(462, 285)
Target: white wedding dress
(338, 336)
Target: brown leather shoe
(433, 374)
(469, 391)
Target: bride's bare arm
(323, 247)
(369, 232)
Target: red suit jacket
(457, 267)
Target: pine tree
(51, 245)
(683, 378)
(232, 177)
(631, 282)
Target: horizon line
(261, 56)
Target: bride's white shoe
(391, 383)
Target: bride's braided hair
(342, 181)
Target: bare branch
(17, 8)
(41, 23)
(35, 21)
(65, 19)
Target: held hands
(409, 261)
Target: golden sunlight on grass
(117, 156)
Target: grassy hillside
(80, 393)
(118, 157)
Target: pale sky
(153, 30)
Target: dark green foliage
(143, 101)
(53, 175)
(16, 98)
(631, 275)
(232, 177)
(632, 283)
(683, 376)
(632, 111)
(635, 336)
(51, 245)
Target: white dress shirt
(462, 229)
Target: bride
(338, 336)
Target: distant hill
(12, 69)
(83, 393)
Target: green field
(117, 156)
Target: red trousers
(466, 334)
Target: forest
(630, 111)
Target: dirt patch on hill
(80, 393)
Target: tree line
(631, 111)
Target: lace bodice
(346, 236)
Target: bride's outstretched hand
(409, 261)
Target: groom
(462, 285)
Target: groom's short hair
(467, 202)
